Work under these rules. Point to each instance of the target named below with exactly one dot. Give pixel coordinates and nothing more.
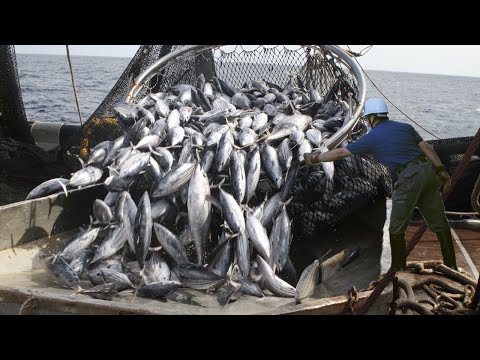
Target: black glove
(444, 180)
(309, 159)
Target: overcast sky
(430, 59)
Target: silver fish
(164, 158)
(147, 142)
(245, 122)
(199, 208)
(102, 212)
(118, 278)
(158, 289)
(285, 153)
(258, 235)
(134, 164)
(272, 282)
(247, 137)
(175, 135)
(259, 121)
(296, 137)
(224, 151)
(48, 187)
(222, 259)
(170, 244)
(117, 145)
(185, 113)
(253, 173)
(271, 165)
(307, 282)
(161, 107)
(237, 176)
(156, 270)
(110, 245)
(61, 272)
(84, 177)
(249, 287)
(207, 159)
(79, 243)
(315, 136)
(161, 209)
(231, 212)
(173, 180)
(280, 238)
(304, 148)
(328, 166)
(142, 229)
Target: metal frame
(341, 55)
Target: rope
(73, 84)
(475, 193)
(396, 107)
(462, 213)
(459, 170)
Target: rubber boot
(448, 250)
(399, 252)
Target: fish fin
(155, 249)
(135, 292)
(78, 289)
(215, 202)
(180, 214)
(64, 187)
(219, 185)
(198, 147)
(232, 236)
(285, 203)
(246, 208)
(81, 161)
(131, 241)
(153, 151)
(112, 170)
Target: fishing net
(13, 121)
(23, 165)
(450, 152)
(316, 201)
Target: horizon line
(130, 57)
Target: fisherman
(402, 150)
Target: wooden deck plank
(428, 247)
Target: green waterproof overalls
(418, 186)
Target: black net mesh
(319, 202)
(13, 121)
(239, 65)
(451, 152)
(23, 165)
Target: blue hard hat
(375, 106)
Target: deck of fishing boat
(467, 249)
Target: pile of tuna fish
(213, 167)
